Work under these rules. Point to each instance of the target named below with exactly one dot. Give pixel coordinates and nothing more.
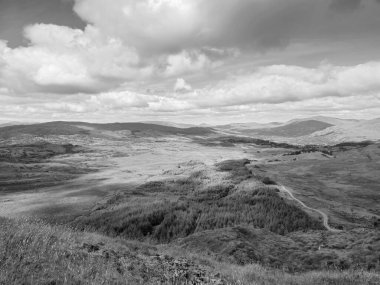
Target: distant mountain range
(318, 130)
(313, 130)
(82, 128)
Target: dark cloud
(270, 24)
(16, 14)
(176, 38)
(263, 25)
(246, 24)
(345, 5)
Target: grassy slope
(295, 252)
(34, 153)
(295, 129)
(36, 253)
(217, 219)
(75, 128)
(32, 252)
(345, 186)
(25, 167)
(220, 220)
(167, 210)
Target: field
(125, 204)
(345, 186)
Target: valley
(157, 203)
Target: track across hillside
(324, 216)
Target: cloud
(220, 46)
(118, 100)
(187, 62)
(286, 87)
(345, 5)
(149, 40)
(163, 25)
(64, 60)
(170, 26)
(182, 86)
(282, 83)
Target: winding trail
(324, 216)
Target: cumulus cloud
(129, 46)
(182, 86)
(148, 24)
(187, 62)
(282, 83)
(151, 39)
(118, 100)
(170, 26)
(271, 85)
(64, 60)
(326, 88)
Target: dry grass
(257, 275)
(163, 211)
(32, 252)
(36, 253)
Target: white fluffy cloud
(187, 62)
(67, 61)
(129, 46)
(119, 100)
(64, 60)
(181, 85)
(281, 83)
(147, 24)
(269, 86)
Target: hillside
(313, 130)
(298, 251)
(142, 203)
(81, 128)
(8, 124)
(295, 129)
(33, 252)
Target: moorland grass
(258, 275)
(162, 213)
(33, 252)
(36, 253)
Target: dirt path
(324, 216)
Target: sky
(189, 61)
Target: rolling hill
(133, 207)
(295, 129)
(82, 128)
(313, 130)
